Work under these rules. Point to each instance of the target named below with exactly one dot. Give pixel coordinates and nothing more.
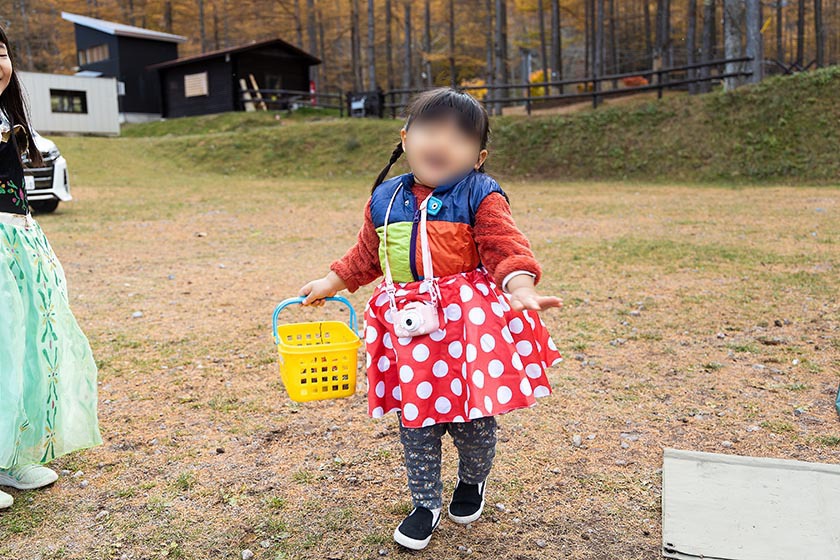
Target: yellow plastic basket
(318, 360)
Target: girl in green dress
(47, 373)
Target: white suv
(48, 185)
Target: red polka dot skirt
(486, 359)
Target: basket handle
(352, 323)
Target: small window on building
(68, 101)
(195, 85)
(94, 54)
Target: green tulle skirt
(47, 373)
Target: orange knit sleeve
(360, 264)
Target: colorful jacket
(449, 225)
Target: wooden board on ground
(729, 507)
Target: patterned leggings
(476, 444)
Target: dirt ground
(700, 318)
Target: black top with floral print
(12, 188)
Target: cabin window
(195, 85)
(68, 101)
(94, 54)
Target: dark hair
(444, 102)
(13, 104)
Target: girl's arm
(359, 266)
(506, 253)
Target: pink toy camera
(416, 318)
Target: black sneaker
(467, 502)
(415, 531)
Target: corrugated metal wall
(101, 93)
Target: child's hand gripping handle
(352, 322)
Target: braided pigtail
(395, 155)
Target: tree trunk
(800, 34)
(648, 34)
(389, 47)
(753, 49)
(311, 30)
(407, 72)
(355, 47)
(501, 51)
(707, 50)
(427, 40)
(819, 33)
(599, 44)
(691, 42)
(556, 44)
(201, 33)
(453, 72)
(780, 47)
(371, 49)
(543, 45)
(733, 19)
(298, 24)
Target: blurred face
(439, 151)
(5, 67)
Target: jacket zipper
(413, 245)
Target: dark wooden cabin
(209, 82)
(115, 50)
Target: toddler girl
(452, 334)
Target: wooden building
(210, 82)
(72, 104)
(115, 50)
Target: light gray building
(72, 104)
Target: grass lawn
(699, 318)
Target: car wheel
(44, 206)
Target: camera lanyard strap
(428, 271)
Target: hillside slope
(786, 129)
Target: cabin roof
(235, 50)
(121, 29)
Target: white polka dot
(456, 386)
(477, 316)
(466, 293)
(516, 325)
(424, 390)
(400, 293)
(368, 360)
(482, 288)
(534, 371)
(497, 308)
(387, 341)
(384, 363)
(428, 422)
(406, 374)
(389, 318)
(378, 412)
(530, 320)
(495, 368)
(541, 391)
(524, 347)
(488, 404)
(475, 413)
(453, 312)
(443, 405)
(440, 369)
(397, 393)
(504, 395)
(410, 411)
(420, 352)
(506, 335)
(539, 346)
(525, 387)
(487, 342)
(552, 345)
(381, 300)
(370, 335)
(380, 389)
(472, 353)
(464, 370)
(405, 340)
(478, 378)
(458, 419)
(437, 335)
(456, 349)
(424, 288)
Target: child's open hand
(523, 295)
(316, 290)
(528, 298)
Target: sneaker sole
(6, 501)
(414, 544)
(466, 520)
(11, 482)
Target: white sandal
(6, 500)
(27, 477)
